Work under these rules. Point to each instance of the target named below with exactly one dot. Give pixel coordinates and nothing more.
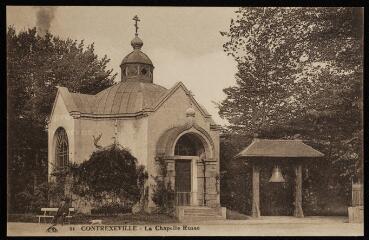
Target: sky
(183, 43)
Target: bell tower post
(298, 191)
(255, 190)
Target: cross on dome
(136, 19)
(136, 42)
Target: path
(267, 226)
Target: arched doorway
(189, 145)
(61, 148)
(189, 148)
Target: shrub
(163, 195)
(111, 174)
(111, 209)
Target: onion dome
(137, 66)
(137, 43)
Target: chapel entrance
(183, 182)
(187, 152)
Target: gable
(181, 87)
(59, 110)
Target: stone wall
(132, 134)
(173, 113)
(212, 186)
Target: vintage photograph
(184, 121)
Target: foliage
(111, 170)
(33, 199)
(35, 65)
(289, 84)
(111, 209)
(235, 177)
(163, 193)
(19, 181)
(286, 72)
(110, 180)
(57, 188)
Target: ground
(265, 226)
(119, 219)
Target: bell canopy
(137, 66)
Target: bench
(50, 213)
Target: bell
(277, 176)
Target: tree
(235, 177)
(285, 68)
(35, 66)
(300, 75)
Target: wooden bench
(50, 213)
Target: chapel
(153, 122)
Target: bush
(111, 169)
(164, 195)
(111, 209)
(110, 175)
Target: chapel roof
(121, 98)
(279, 148)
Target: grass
(129, 218)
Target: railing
(183, 198)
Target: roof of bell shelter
(279, 148)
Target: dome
(137, 43)
(128, 97)
(137, 66)
(136, 56)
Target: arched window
(61, 148)
(132, 70)
(188, 145)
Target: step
(199, 213)
(198, 219)
(202, 215)
(194, 213)
(199, 210)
